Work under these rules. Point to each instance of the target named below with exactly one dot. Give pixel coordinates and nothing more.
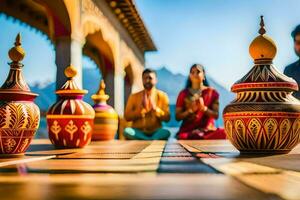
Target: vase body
(105, 123)
(70, 120)
(264, 117)
(19, 122)
(70, 123)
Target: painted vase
(70, 120)
(264, 117)
(106, 118)
(19, 116)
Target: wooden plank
(288, 161)
(93, 165)
(19, 160)
(285, 184)
(44, 148)
(189, 147)
(189, 165)
(146, 160)
(80, 155)
(240, 167)
(126, 186)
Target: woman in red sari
(198, 107)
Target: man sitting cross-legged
(147, 109)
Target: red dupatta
(200, 121)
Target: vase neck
(15, 80)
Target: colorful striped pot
(106, 118)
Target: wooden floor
(211, 169)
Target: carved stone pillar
(109, 80)
(68, 51)
(118, 80)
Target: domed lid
(264, 76)
(262, 48)
(15, 87)
(70, 88)
(100, 96)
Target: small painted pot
(264, 117)
(19, 116)
(106, 118)
(70, 120)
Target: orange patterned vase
(106, 119)
(264, 117)
(70, 120)
(19, 116)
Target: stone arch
(59, 18)
(60, 21)
(102, 39)
(101, 52)
(93, 20)
(51, 17)
(128, 59)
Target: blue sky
(216, 33)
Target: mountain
(169, 82)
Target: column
(68, 51)
(119, 80)
(119, 92)
(137, 82)
(110, 86)
(127, 88)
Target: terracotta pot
(70, 120)
(264, 117)
(19, 116)
(106, 118)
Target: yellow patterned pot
(264, 117)
(70, 120)
(19, 116)
(106, 118)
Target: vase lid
(70, 88)
(15, 87)
(262, 48)
(100, 96)
(264, 76)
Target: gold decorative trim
(69, 116)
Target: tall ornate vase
(106, 119)
(19, 116)
(70, 120)
(264, 117)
